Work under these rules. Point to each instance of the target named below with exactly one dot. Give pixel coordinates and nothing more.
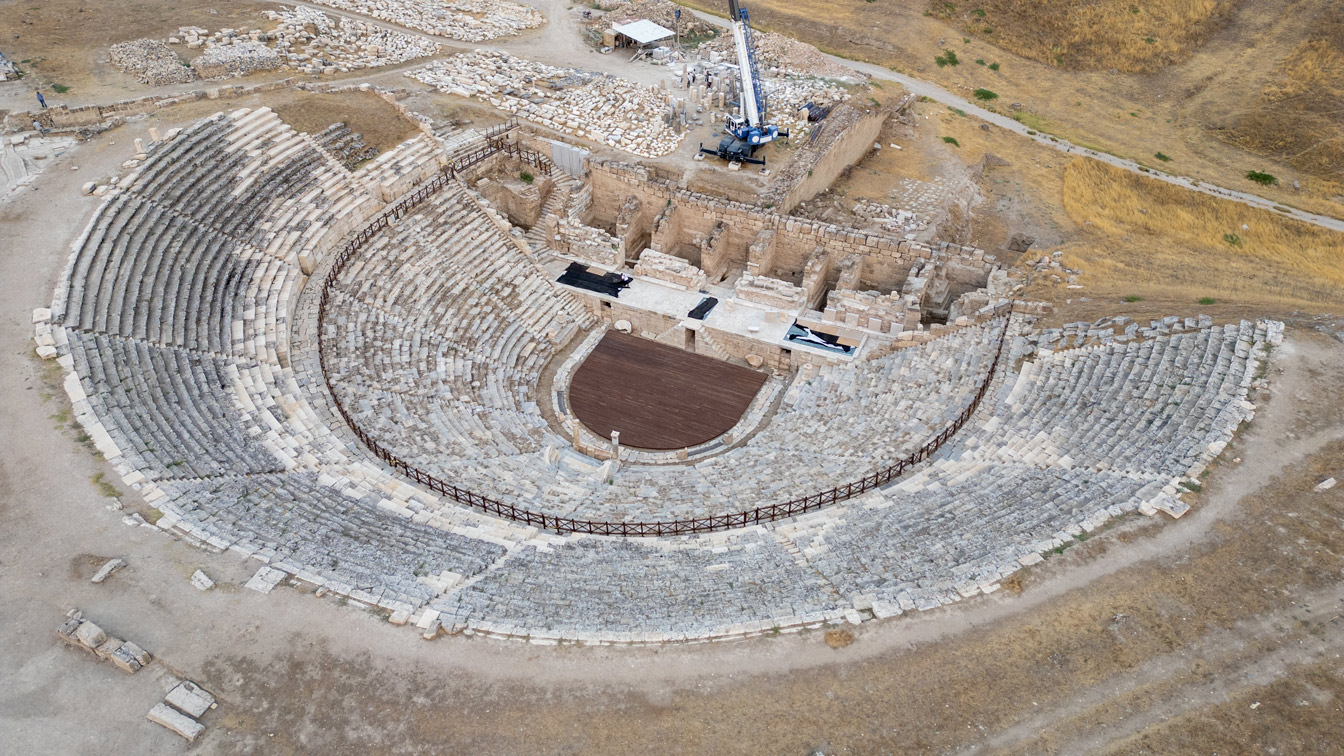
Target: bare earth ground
(1148, 638)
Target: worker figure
(41, 100)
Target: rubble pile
(304, 40)
(152, 62)
(782, 54)
(346, 146)
(787, 97)
(597, 107)
(467, 20)
(661, 12)
(7, 69)
(313, 42)
(890, 219)
(237, 57)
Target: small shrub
(948, 58)
(1232, 239)
(60, 88)
(979, 12)
(1264, 179)
(1162, 156)
(985, 95)
(957, 111)
(526, 177)
(1150, 40)
(952, 141)
(988, 30)
(993, 66)
(1133, 298)
(1207, 300)
(980, 61)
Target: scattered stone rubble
(237, 57)
(7, 69)
(466, 20)
(661, 12)
(313, 42)
(891, 219)
(1050, 265)
(714, 84)
(782, 54)
(84, 634)
(181, 709)
(152, 61)
(598, 107)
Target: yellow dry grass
(1154, 240)
(1129, 35)
(1299, 116)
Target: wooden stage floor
(659, 396)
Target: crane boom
(747, 131)
(753, 98)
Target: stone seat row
(172, 409)
(301, 523)
(145, 272)
(1149, 408)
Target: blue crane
(747, 131)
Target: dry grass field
(1299, 116)
(1127, 35)
(1142, 237)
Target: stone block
(111, 566)
(190, 698)
(90, 635)
(166, 716)
(108, 647)
(201, 582)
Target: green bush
(1264, 179)
(993, 66)
(985, 95)
(952, 141)
(948, 58)
(1163, 157)
(60, 88)
(526, 177)
(1133, 298)
(1206, 300)
(1233, 240)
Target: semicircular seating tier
(188, 336)
(436, 337)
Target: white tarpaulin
(643, 31)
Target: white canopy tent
(642, 32)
